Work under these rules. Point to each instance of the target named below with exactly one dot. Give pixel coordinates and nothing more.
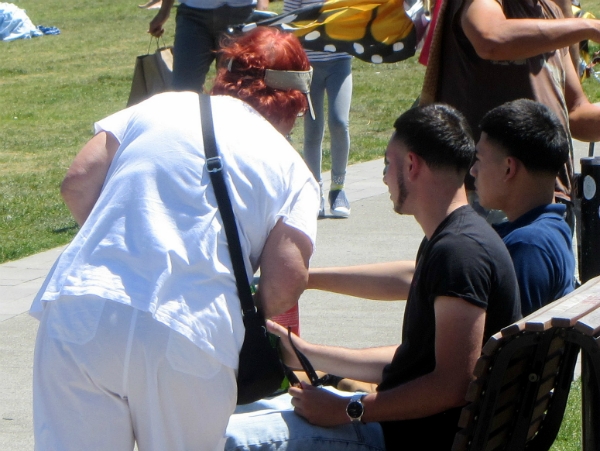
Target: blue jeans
(271, 425)
(335, 79)
(197, 35)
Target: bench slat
(541, 316)
(474, 390)
(461, 441)
(541, 319)
(570, 317)
(551, 367)
(493, 343)
(496, 441)
(534, 427)
(541, 408)
(571, 302)
(503, 420)
(482, 366)
(519, 326)
(467, 415)
(589, 324)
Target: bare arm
(495, 37)
(566, 6)
(379, 281)
(360, 364)
(156, 27)
(459, 334)
(283, 269)
(81, 186)
(584, 117)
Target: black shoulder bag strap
(214, 166)
(260, 370)
(252, 318)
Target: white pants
(107, 375)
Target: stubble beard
(402, 193)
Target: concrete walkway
(373, 233)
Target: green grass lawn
(53, 88)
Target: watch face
(355, 409)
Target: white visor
(290, 79)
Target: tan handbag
(153, 73)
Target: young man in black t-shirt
(461, 290)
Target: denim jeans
(197, 35)
(335, 79)
(272, 425)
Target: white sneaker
(338, 203)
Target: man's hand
(360, 364)
(289, 356)
(318, 406)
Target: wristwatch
(355, 409)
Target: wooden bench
(523, 378)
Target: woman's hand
(156, 27)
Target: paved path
(373, 233)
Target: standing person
(332, 75)
(200, 25)
(522, 147)
(140, 320)
(461, 290)
(490, 52)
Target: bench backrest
(524, 375)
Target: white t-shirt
(155, 240)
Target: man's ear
(512, 166)
(414, 164)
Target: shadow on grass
(71, 228)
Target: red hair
(248, 55)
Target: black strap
(214, 165)
(328, 379)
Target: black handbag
(261, 371)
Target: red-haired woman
(140, 319)
(250, 71)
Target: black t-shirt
(466, 259)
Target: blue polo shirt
(540, 245)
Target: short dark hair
(439, 134)
(529, 131)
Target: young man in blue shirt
(522, 147)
